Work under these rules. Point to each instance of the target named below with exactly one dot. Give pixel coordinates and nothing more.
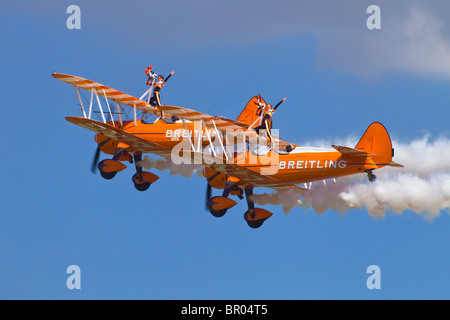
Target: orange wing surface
(102, 90)
(222, 124)
(247, 174)
(134, 143)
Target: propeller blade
(95, 161)
(97, 156)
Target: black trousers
(154, 101)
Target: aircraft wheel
(108, 175)
(219, 213)
(215, 213)
(253, 223)
(218, 206)
(140, 186)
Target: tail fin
(376, 141)
(250, 114)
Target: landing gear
(216, 213)
(254, 217)
(252, 224)
(139, 183)
(142, 180)
(371, 176)
(108, 168)
(250, 213)
(218, 206)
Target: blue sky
(161, 244)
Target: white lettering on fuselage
(183, 133)
(312, 164)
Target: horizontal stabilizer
(292, 187)
(395, 164)
(351, 152)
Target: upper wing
(102, 90)
(222, 124)
(135, 143)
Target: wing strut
(100, 107)
(134, 114)
(209, 138)
(109, 109)
(81, 102)
(220, 139)
(190, 137)
(119, 113)
(90, 102)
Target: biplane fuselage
(301, 165)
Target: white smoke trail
(423, 186)
(186, 170)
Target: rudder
(250, 114)
(376, 141)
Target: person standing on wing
(267, 119)
(156, 97)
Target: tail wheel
(253, 223)
(371, 176)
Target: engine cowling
(215, 179)
(106, 144)
(218, 180)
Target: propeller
(97, 156)
(94, 164)
(95, 160)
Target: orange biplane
(234, 156)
